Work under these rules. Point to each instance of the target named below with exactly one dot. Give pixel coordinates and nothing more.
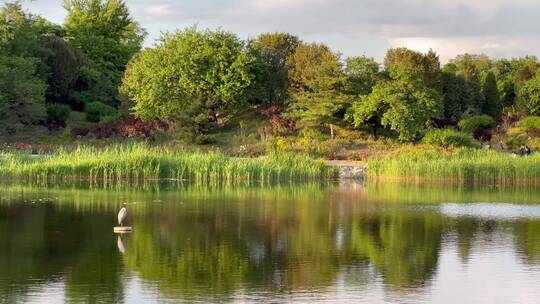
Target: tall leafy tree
(505, 82)
(454, 93)
(473, 67)
(404, 104)
(108, 36)
(462, 81)
(317, 95)
(21, 90)
(192, 78)
(529, 93)
(273, 51)
(492, 103)
(362, 73)
(467, 67)
(511, 74)
(64, 64)
(21, 82)
(427, 66)
(17, 34)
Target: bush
(475, 122)
(534, 144)
(529, 123)
(448, 138)
(80, 132)
(205, 139)
(482, 134)
(111, 118)
(96, 110)
(515, 138)
(57, 111)
(509, 120)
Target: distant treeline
(198, 79)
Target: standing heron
(122, 215)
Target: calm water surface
(302, 243)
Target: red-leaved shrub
(277, 124)
(131, 128)
(482, 134)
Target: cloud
(494, 27)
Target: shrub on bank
(482, 135)
(529, 123)
(95, 111)
(515, 137)
(472, 123)
(58, 111)
(447, 138)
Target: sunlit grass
(463, 165)
(141, 162)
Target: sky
(498, 28)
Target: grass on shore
(140, 162)
(463, 165)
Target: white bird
(122, 215)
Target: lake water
(307, 243)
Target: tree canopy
(271, 69)
(200, 79)
(191, 77)
(317, 98)
(403, 104)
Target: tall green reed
(463, 165)
(141, 162)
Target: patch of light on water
(500, 211)
(47, 294)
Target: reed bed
(141, 162)
(461, 166)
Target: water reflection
(120, 244)
(274, 243)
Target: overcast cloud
(499, 28)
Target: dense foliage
(530, 123)
(201, 81)
(472, 123)
(448, 138)
(193, 78)
(403, 104)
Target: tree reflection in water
(196, 243)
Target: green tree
(404, 104)
(64, 64)
(492, 104)
(454, 93)
(17, 34)
(29, 36)
(462, 91)
(427, 66)
(109, 37)
(472, 67)
(511, 74)
(193, 78)
(362, 73)
(525, 68)
(21, 91)
(529, 93)
(21, 85)
(273, 51)
(317, 97)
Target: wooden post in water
(123, 230)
